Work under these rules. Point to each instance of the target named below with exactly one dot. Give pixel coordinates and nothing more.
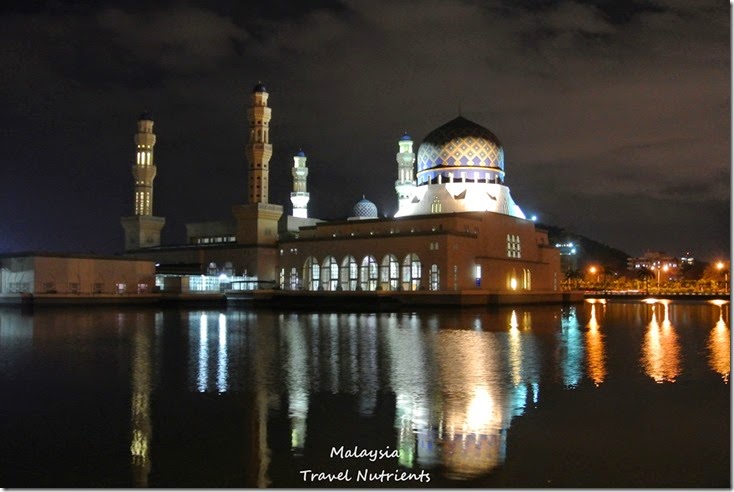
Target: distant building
(69, 274)
(569, 252)
(457, 226)
(656, 261)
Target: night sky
(614, 114)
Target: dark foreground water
(597, 394)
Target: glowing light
(515, 354)
(719, 345)
(222, 355)
(513, 283)
(479, 411)
(513, 320)
(203, 375)
(661, 351)
(595, 357)
(572, 349)
(534, 218)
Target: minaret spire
(258, 149)
(143, 230)
(405, 184)
(299, 196)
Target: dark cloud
(623, 106)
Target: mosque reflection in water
(457, 382)
(454, 381)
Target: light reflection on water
(719, 345)
(596, 357)
(661, 353)
(458, 378)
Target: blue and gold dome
(460, 146)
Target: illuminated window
(434, 278)
(330, 271)
(311, 273)
(411, 272)
(513, 246)
(436, 205)
(389, 272)
(349, 273)
(294, 281)
(368, 273)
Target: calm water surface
(595, 394)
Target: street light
(720, 266)
(592, 271)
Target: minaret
(256, 222)
(405, 184)
(143, 230)
(299, 196)
(259, 149)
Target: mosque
(457, 229)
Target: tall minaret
(299, 195)
(143, 230)
(405, 184)
(256, 222)
(259, 149)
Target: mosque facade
(457, 228)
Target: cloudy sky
(614, 114)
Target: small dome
(405, 137)
(260, 87)
(365, 209)
(145, 115)
(300, 153)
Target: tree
(572, 277)
(645, 274)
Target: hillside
(589, 251)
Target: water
(596, 394)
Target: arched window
(526, 281)
(349, 273)
(311, 273)
(329, 273)
(512, 282)
(389, 273)
(212, 269)
(434, 281)
(411, 272)
(368, 273)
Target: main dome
(459, 148)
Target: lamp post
(663, 268)
(720, 267)
(592, 271)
